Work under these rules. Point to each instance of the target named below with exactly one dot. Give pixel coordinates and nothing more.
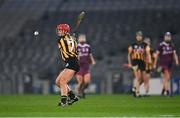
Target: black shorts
(139, 63)
(148, 71)
(73, 64)
(149, 68)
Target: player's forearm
(149, 58)
(176, 59)
(155, 59)
(92, 59)
(129, 59)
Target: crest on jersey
(67, 64)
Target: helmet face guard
(167, 37)
(82, 38)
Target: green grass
(95, 105)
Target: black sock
(167, 91)
(71, 95)
(163, 90)
(86, 86)
(63, 99)
(81, 89)
(133, 89)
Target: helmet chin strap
(139, 41)
(82, 42)
(167, 41)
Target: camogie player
(166, 53)
(85, 58)
(68, 48)
(148, 67)
(137, 53)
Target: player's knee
(57, 82)
(81, 82)
(62, 82)
(87, 81)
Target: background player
(166, 53)
(137, 53)
(86, 58)
(68, 49)
(148, 67)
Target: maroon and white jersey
(166, 53)
(84, 51)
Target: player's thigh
(67, 75)
(87, 77)
(79, 78)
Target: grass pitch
(92, 106)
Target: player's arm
(148, 54)
(129, 56)
(156, 55)
(92, 59)
(176, 57)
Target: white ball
(36, 33)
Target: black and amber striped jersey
(138, 51)
(68, 47)
(149, 66)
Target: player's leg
(71, 96)
(63, 98)
(146, 79)
(87, 80)
(141, 75)
(58, 79)
(137, 82)
(168, 85)
(80, 84)
(62, 81)
(164, 81)
(167, 81)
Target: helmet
(64, 27)
(167, 34)
(139, 33)
(147, 40)
(82, 38)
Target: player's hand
(130, 65)
(159, 69)
(93, 63)
(177, 63)
(154, 66)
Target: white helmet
(82, 38)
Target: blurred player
(148, 67)
(137, 53)
(68, 48)
(166, 53)
(86, 58)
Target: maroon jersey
(84, 51)
(166, 54)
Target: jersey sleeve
(90, 49)
(173, 46)
(159, 48)
(78, 48)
